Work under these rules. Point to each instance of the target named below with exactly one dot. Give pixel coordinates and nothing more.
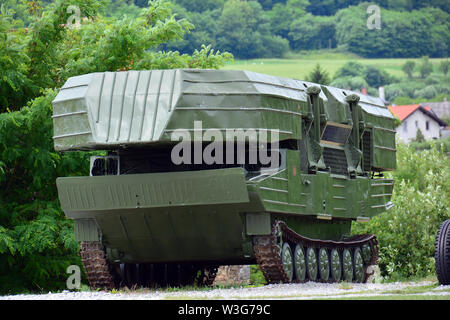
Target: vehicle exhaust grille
(367, 156)
(336, 160)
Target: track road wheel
(366, 253)
(336, 265)
(300, 263)
(442, 253)
(347, 265)
(358, 265)
(324, 264)
(311, 264)
(287, 261)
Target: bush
(426, 145)
(376, 77)
(402, 89)
(428, 92)
(350, 69)
(36, 240)
(433, 79)
(349, 82)
(421, 196)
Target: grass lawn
(298, 66)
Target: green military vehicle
(144, 217)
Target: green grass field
(298, 66)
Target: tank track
(103, 275)
(96, 266)
(267, 251)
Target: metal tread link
(267, 251)
(96, 266)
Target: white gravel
(309, 290)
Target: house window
(405, 126)
(427, 125)
(417, 124)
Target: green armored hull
(160, 218)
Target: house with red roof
(417, 117)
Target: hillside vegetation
(271, 28)
(352, 72)
(39, 51)
(300, 65)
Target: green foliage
(36, 240)
(419, 136)
(121, 8)
(350, 82)
(425, 68)
(355, 76)
(205, 30)
(408, 68)
(433, 89)
(244, 29)
(256, 275)
(350, 69)
(376, 77)
(444, 66)
(427, 92)
(13, 64)
(402, 34)
(422, 200)
(309, 32)
(200, 5)
(401, 100)
(426, 145)
(318, 75)
(47, 32)
(282, 15)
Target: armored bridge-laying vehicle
(143, 219)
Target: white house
(415, 117)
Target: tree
(318, 75)
(408, 68)
(13, 65)
(350, 69)
(350, 82)
(36, 241)
(402, 34)
(419, 136)
(421, 196)
(200, 5)
(425, 68)
(376, 77)
(205, 30)
(282, 15)
(444, 66)
(244, 29)
(312, 32)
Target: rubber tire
(442, 253)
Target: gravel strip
(309, 290)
